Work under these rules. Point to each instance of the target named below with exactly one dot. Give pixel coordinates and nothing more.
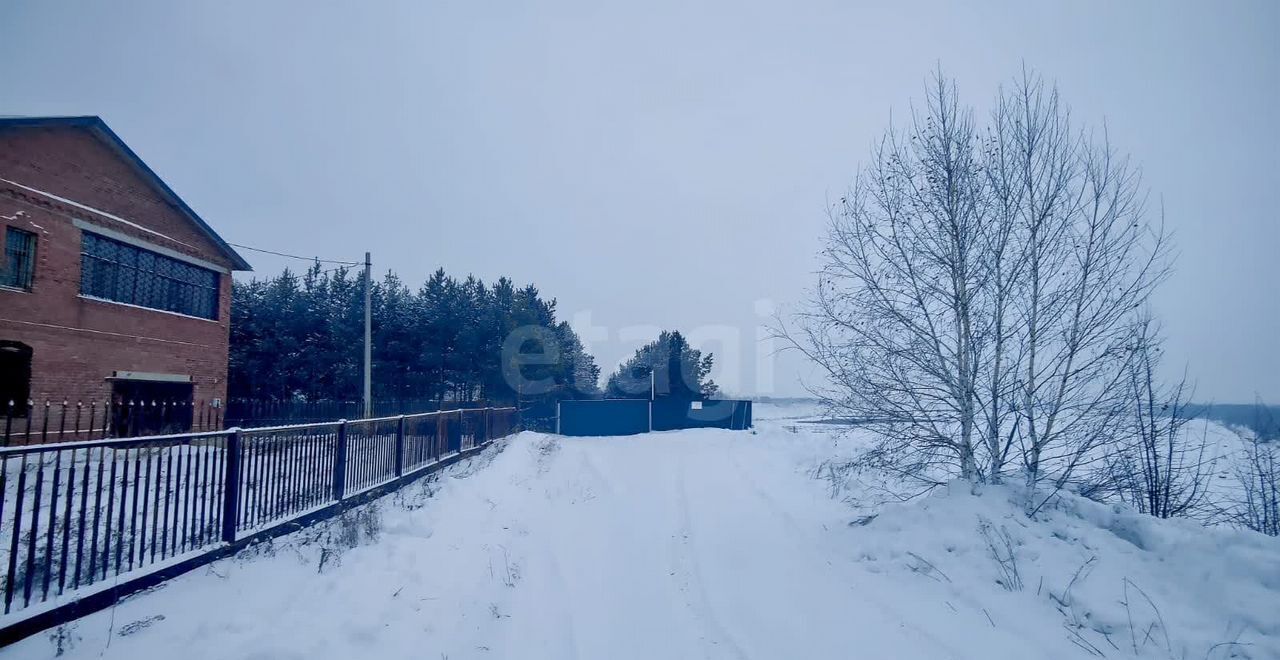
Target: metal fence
(670, 414)
(76, 515)
(261, 412)
(34, 422)
(603, 417)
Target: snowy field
(705, 544)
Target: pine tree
(300, 339)
(678, 370)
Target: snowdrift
(1105, 579)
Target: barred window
(19, 259)
(123, 273)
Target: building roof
(100, 129)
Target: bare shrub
(354, 527)
(64, 638)
(1158, 465)
(1258, 507)
(1003, 550)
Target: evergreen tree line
(300, 338)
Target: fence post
(455, 434)
(340, 461)
(400, 447)
(231, 487)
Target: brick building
(111, 287)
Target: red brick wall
(77, 343)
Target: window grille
(19, 264)
(120, 272)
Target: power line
(368, 311)
(294, 256)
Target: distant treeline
(1262, 419)
(300, 338)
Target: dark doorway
(15, 378)
(150, 407)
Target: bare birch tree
(893, 317)
(1088, 260)
(978, 289)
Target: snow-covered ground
(777, 412)
(706, 544)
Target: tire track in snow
(686, 562)
(768, 499)
(563, 607)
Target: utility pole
(368, 333)
(652, 381)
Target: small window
(19, 259)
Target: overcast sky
(658, 164)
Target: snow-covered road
(683, 545)
(697, 544)
(693, 544)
